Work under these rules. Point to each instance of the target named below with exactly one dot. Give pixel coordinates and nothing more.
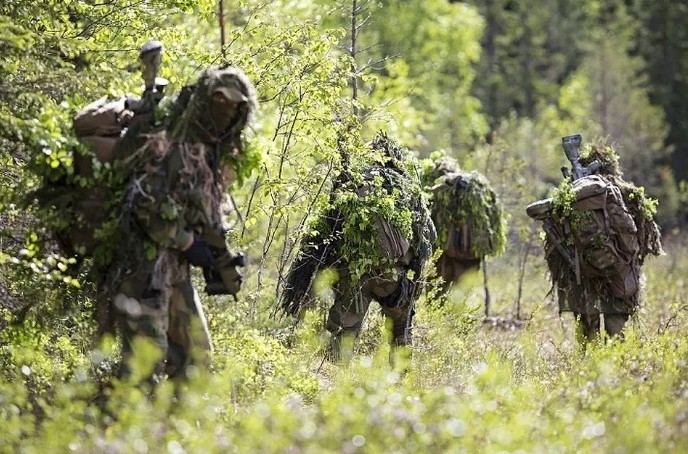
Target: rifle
(224, 278)
(150, 57)
(571, 145)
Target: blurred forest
(494, 83)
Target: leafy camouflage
(597, 242)
(375, 230)
(469, 217)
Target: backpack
(391, 240)
(463, 209)
(98, 126)
(601, 235)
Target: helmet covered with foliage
(437, 166)
(393, 154)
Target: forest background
(495, 84)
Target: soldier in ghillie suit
(172, 218)
(377, 235)
(598, 231)
(469, 218)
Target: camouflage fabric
(175, 197)
(166, 312)
(380, 259)
(352, 302)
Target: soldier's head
(438, 165)
(217, 108)
(445, 165)
(605, 155)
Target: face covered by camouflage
(216, 109)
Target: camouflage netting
(348, 230)
(195, 173)
(591, 292)
(465, 201)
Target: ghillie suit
(377, 235)
(173, 218)
(469, 218)
(598, 231)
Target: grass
(468, 387)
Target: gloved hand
(199, 254)
(225, 278)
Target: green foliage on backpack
(465, 199)
(392, 197)
(478, 207)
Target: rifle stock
(150, 57)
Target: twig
(521, 274)
(487, 289)
(221, 18)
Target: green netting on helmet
(466, 199)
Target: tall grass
(468, 387)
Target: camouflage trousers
(352, 302)
(588, 326)
(167, 313)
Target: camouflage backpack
(469, 218)
(597, 236)
(79, 203)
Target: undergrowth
(468, 387)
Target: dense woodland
(493, 83)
